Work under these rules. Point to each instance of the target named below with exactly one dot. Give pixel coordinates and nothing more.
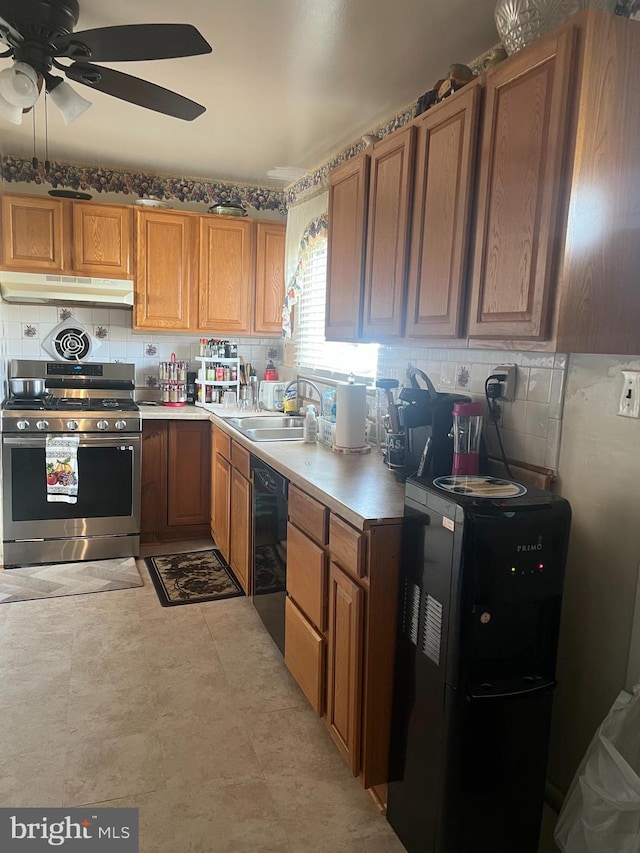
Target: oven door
(108, 489)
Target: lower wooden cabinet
(344, 682)
(304, 655)
(175, 480)
(231, 504)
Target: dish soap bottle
(310, 428)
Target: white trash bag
(601, 812)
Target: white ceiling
(289, 82)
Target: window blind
(314, 352)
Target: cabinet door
(307, 576)
(270, 284)
(188, 473)
(304, 655)
(222, 504)
(344, 687)
(226, 258)
(32, 234)
(166, 270)
(102, 239)
(153, 507)
(445, 157)
(240, 533)
(348, 194)
(388, 236)
(519, 207)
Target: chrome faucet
(296, 382)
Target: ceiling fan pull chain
(34, 159)
(47, 164)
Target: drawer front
(304, 656)
(309, 515)
(307, 576)
(346, 545)
(241, 459)
(222, 443)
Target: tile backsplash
(25, 327)
(530, 425)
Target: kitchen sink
(276, 428)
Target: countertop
(361, 489)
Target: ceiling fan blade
(134, 90)
(9, 34)
(134, 42)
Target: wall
(599, 473)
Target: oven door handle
(123, 442)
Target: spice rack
(209, 388)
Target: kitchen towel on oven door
(62, 468)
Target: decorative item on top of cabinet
(348, 197)
(522, 21)
(390, 195)
(166, 270)
(442, 204)
(226, 266)
(270, 283)
(520, 204)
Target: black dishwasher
(269, 563)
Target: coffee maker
(426, 416)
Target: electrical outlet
(508, 384)
(629, 406)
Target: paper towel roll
(351, 413)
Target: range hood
(60, 289)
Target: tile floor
(185, 712)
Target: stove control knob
(103, 424)
(120, 424)
(72, 424)
(42, 424)
(23, 424)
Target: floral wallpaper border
(103, 180)
(319, 176)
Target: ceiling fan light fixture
(69, 102)
(9, 112)
(19, 85)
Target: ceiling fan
(39, 33)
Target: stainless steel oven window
(108, 493)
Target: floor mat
(59, 579)
(192, 577)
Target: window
(313, 350)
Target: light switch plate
(629, 406)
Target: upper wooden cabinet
(226, 254)
(390, 192)
(166, 270)
(270, 278)
(348, 195)
(519, 214)
(32, 234)
(369, 210)
(442, 206)
(102, 239)
(200, 273)
(537, 250)
(64, 237)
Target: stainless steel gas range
(94, 402)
